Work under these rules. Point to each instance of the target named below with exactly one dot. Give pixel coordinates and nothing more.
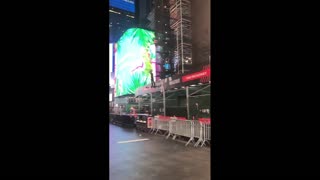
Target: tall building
(180, 14)
(171, 20)
(143, 8)
(121, 18)
(201, 43)
(159, 21)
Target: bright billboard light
(110, 63)
(127, 5)
(135, 58)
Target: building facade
(201, 44)
(143, 8)
(159, 21)
(121, 18)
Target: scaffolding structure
(165, 37)
(190, 101)
(180, 22)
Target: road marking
(137, 140)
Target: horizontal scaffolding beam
(200, 90)
(200, 95)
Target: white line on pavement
(137, 140)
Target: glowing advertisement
(110, 64)
(135, 59)
(127, 5)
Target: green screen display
(134, 60)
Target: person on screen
(152, 80)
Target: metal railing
(174, 127)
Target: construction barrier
(203, 131)
(149, 122)
(198, 132)
(173, 127)
(207, 130)
(153, 126)
(162, 125)
(159, 123)
(181, 128)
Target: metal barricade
(197, 132)
(154, 124)
(162, 125)
(206, 125)
(202, 129)
(172, 128)
(181, 128)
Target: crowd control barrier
(162, 125)
(202, 131)
(198, 132)
(206, 125)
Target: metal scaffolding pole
(139, 104)
(164, 99)
(200, 90)
(177, 37)
(187, 98)
(151, 109)
(180, 14)
(182, 57)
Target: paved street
(154, 157)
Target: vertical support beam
(164, 99)
(187, 98)
(177, 35)
(181, 25)
(210, 38)
(151, 109)
(139, 104)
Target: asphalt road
(142, 156)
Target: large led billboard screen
(135, 59)
(111, 64)
(127, 5)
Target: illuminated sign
(127, 5)
(197, 75)
(111, 64)
(135, 60)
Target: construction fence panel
(199, 131)
(172, 128)
(154, 124)
(206, 130)
(162, 124)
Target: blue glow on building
(127, 5)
